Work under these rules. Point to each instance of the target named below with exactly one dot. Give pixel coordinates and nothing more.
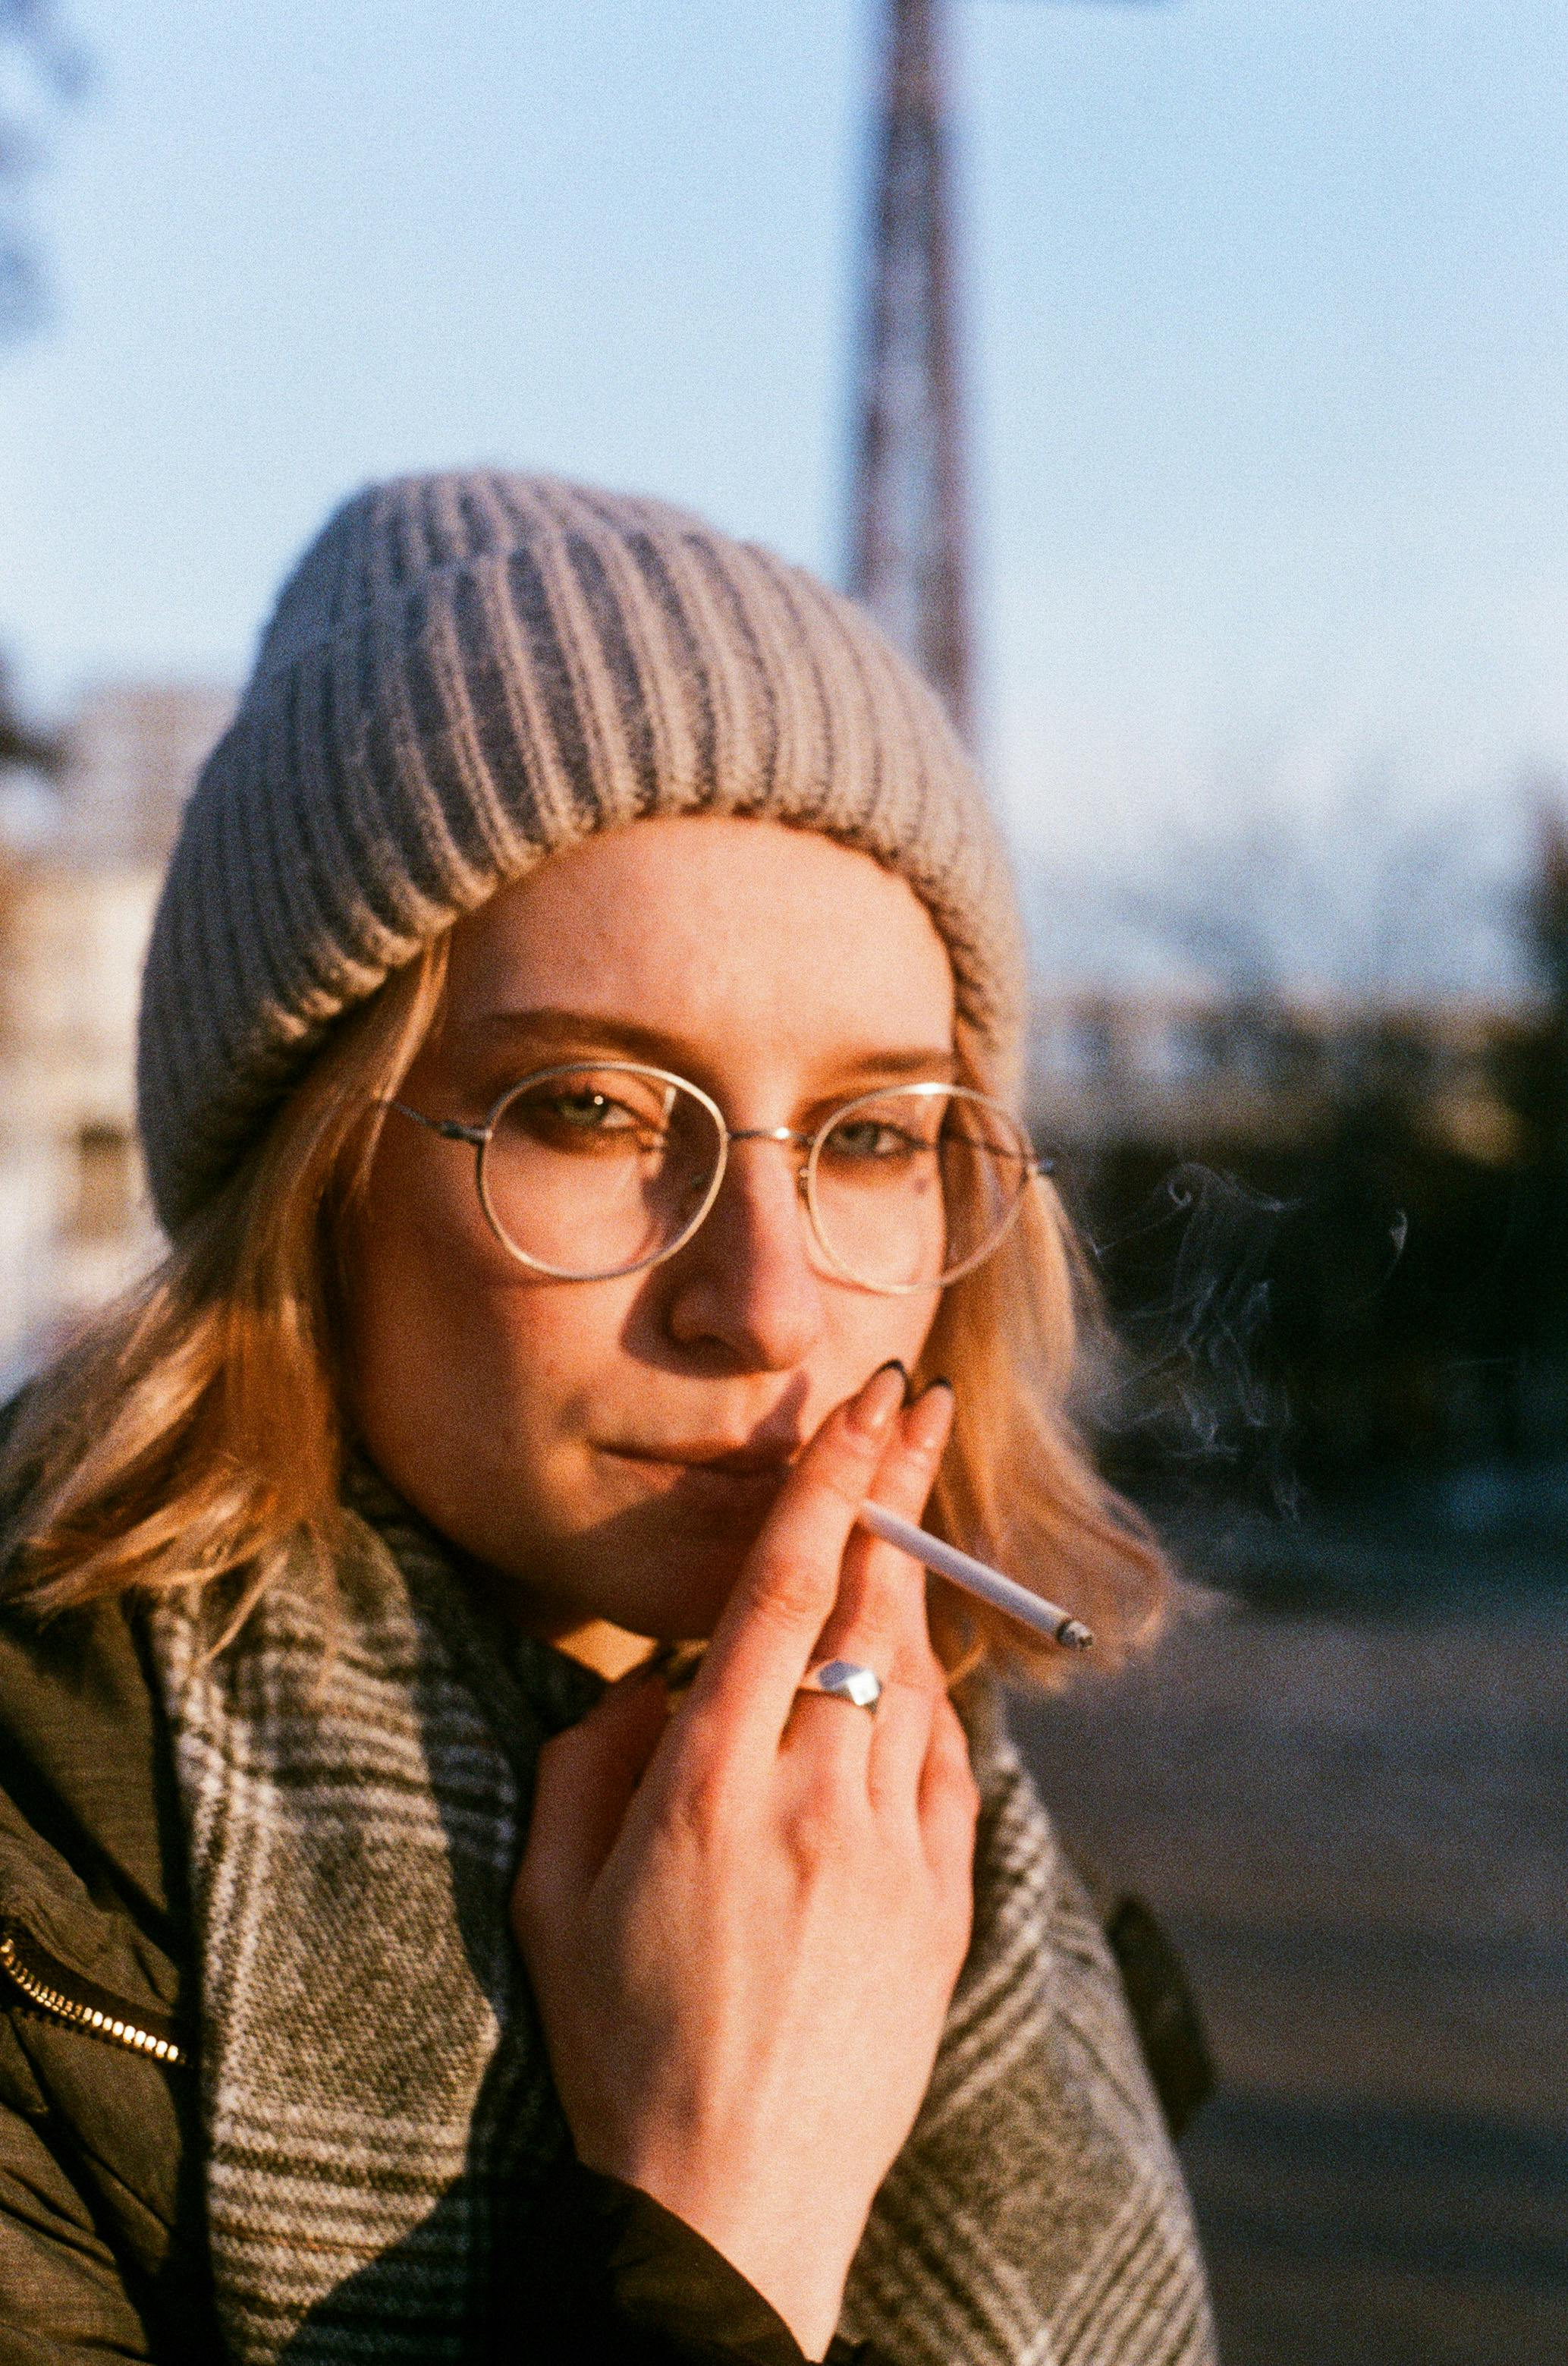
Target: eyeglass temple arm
(451, 1129)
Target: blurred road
(1358, 1834)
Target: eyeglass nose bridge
(734, 1133)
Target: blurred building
(130, 758)
(1198, 1075)
(79, 876)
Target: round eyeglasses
(598, 1169)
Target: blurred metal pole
(909, 549)
(38, 70)
(908, 553)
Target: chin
(663, 1570)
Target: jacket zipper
(48, 1996)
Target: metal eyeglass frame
(479, 1137)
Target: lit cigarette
(976, 1578)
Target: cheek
(863, 1323)
(907, 1327)
(484, 1427)
(860, 1331)
(453, 1353)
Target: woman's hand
(743, 1924)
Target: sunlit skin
(744, 1923)
(566, 1433)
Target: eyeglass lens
(596, 1170)
(908, 1188)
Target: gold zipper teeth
(85, 2016)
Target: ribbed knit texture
(467, 673)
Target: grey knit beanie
(466, 673)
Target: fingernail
(930, 1419)
(941, 1381)
(881, 1397)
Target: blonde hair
(193, 1432)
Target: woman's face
(610, 1448)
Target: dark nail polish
(940, 1382)
(871, 1409)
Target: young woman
(578, 1047)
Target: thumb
(586, 1781)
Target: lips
(737, 1462)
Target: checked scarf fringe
(356, 1770)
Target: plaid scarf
(355, 1774)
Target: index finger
(879, 1614)
(767, 1636)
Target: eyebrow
(578, 1030)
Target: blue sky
(1266, 299)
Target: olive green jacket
(103, 2244)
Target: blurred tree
(1375, 893)
(22, 748)
(1376, 1280)
(40, 70)
(1546, 906)
(1533, 1076)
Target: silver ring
(845, 1680)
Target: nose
(746, 1284)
